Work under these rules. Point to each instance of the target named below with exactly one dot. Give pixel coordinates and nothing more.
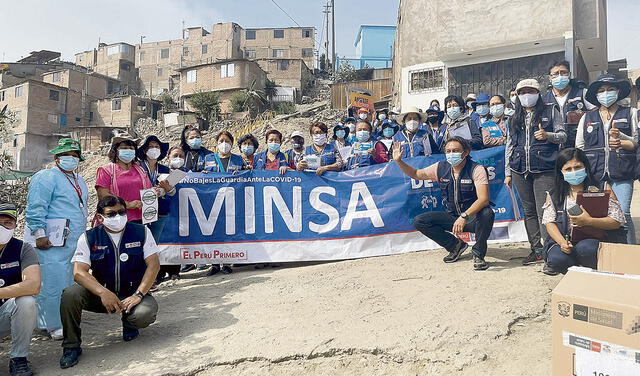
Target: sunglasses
(113, 214)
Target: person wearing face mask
(609, 137)
(195, 153)
(322, 154)
(482, 108)
(568, 95)
(459, 123)
(115, 265)
(510, 108)
(350, 123)
(272, 158)
(363, 113)
(536, 131)
(435, 128)
(362, 150)
(124, 177)
(573, 175)
(296, 153)
(248, 145)
(465, 190)
(20, 276)
(415, 141)
(383, 146)
(176, 158)
(380, 117)
(470, 107)
(223, 160)
(494, 129)
(341, 136)
(57, 193)
(435, 103)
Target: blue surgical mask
(273, 147)
(340, 133)
(454, 159)
(575, 177)
(68, 163)
(560, 82)
(607, 98)
(126, 155)
(362, 136)
(382, 117)
(195, 143)
(482, 109)
(497, 110)
(247, 149)
(297, 146)
(454, 112)
(387, 132)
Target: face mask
(454, 112)
(247, 149)
(432, 119)
(470, 104)
(387, 132)
(115, 224)
(575, 177)
(352, 127)
(382, 117)
(513, 99)
(153, 153)
(320, 139)
(340, 133)
(482, 109)
(528, 100)
(560, 82)
(497, 110)
(176, 163)
(5, 234)
(412, 125)
(363, 116)
(126, 155)
(454, 159)
(224, 147)
(273, 147)
(297, 146)
(195, 143)
(68, 163)
(393, 117)
(607, 98)
(362, 136)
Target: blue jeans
(585, 253)
(624, 192)
(18, 318)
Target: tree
(323, 62)
(7, 120)
(238, 99)
(168, 103)
(206, 104)
(270, 90)
(345, 73)
(255, 98)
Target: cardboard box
(596, 324)
(619, 258)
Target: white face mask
(115, 224)
(224, 147)
(363, 116)
(5, 234)
(153, 153)
(176, 163)
(528, 100)
(320, 139)
(412, 125)
(382, 117)
(513, 99)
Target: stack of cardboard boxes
(596, 316)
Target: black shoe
(174, 277)
(479, 263)
(549, 270)
(19, 367)
(533, 258)
(130, 334)
(70, 357)
(226, 269)
(457, 251)
(203, 267)
(187, 268)
(215, 269)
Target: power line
(285, 12)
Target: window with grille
(306, 33)
(18, 92)
(427, 79)
(250, 54)
(185, 51)
(116, 104)
(205, 49)
(278, 53)
(56, 77)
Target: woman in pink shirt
(123, 177)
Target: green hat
(9, 209)
(68, 144)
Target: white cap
(297, 133)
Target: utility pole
(326, 41)
(333, 35)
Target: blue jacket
(465, 127)
(420, 144)
(212, 163)
(260, 160)
(194, 159)
(327, 156)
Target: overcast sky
(71, 26)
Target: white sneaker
(56, 335)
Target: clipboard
(597, 205)
(57, 232)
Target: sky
(71, 26)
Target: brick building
(114, 60)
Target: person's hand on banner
(507, 181)
(371, 151)
(321, 170)
(397, 151)
(458, 226)
(283, 169)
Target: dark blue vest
(621, 163)
(260, 160)
(457, 194)
(118, 273)
(415, 147)
(575, 100)
(327, 156)
(212, 163)
(359, 160)
(163, 202)
(537, 156)
(10, 270)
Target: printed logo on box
(564, 308)
(581, 312)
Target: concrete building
(113, 60)
(445, 47)
(374, 47)
(224, 77)
(93, 85)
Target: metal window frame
(436, 84)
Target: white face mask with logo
(224, 147)
(176, 163)
(116, 223)
(153, 153)
(6, 234)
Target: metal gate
(499, 77)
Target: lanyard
(153, 176)
(75, 186)
(219, 162)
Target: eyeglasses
(113, 214)
(561, 73)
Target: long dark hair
(517, 121)
(561, 189)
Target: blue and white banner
(261, 216)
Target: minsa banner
(261, 216)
